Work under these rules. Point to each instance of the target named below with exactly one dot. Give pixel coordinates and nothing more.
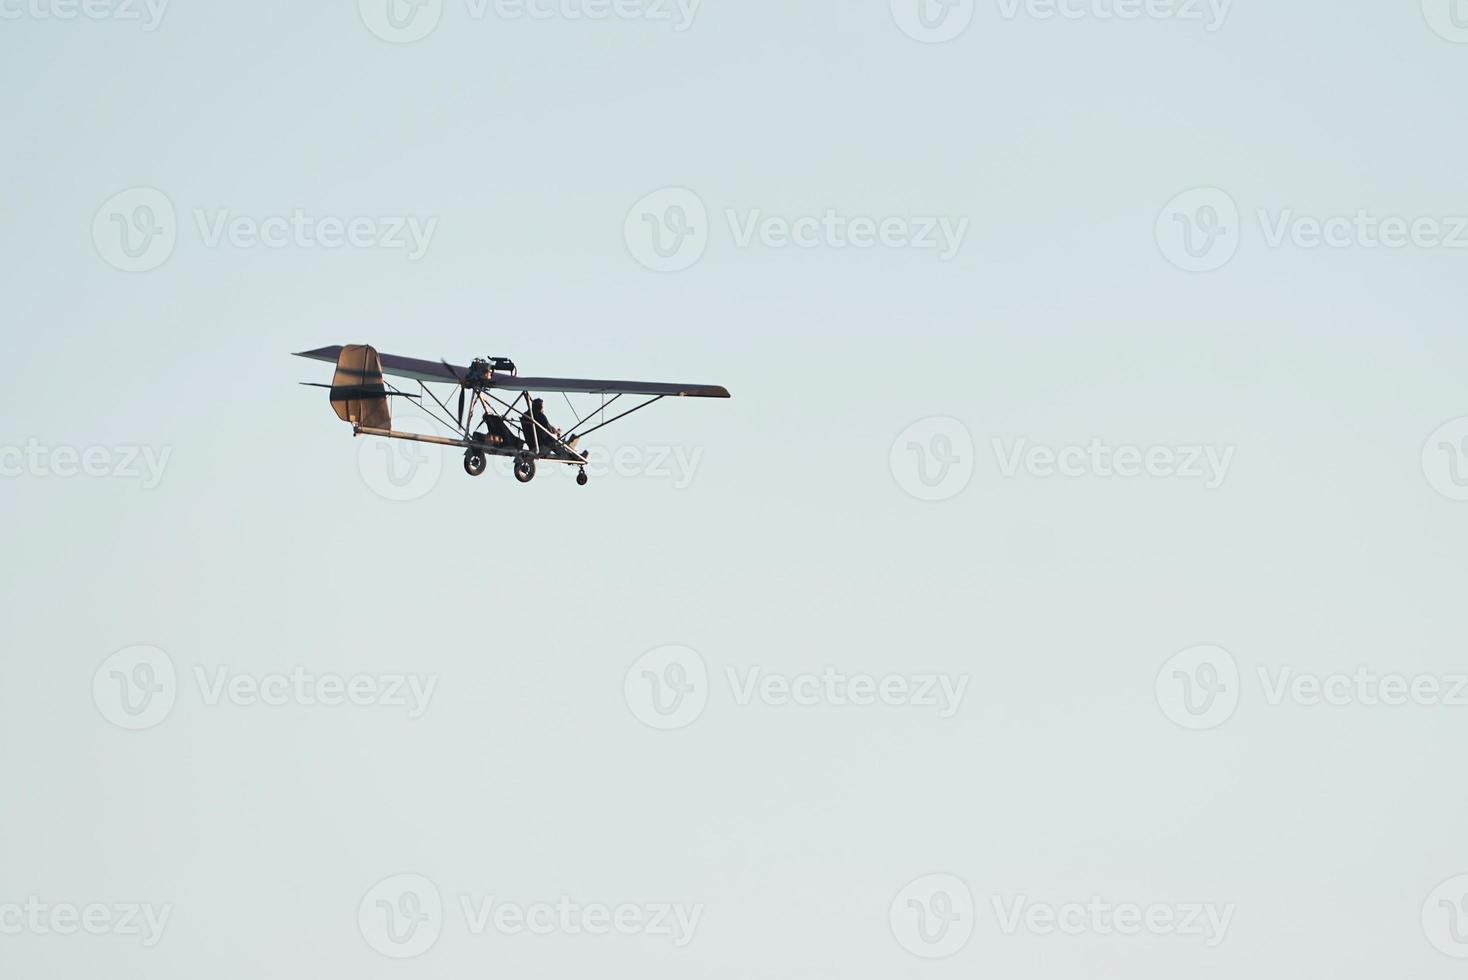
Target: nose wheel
(581, 477)
(474, 462)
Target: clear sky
(1098, 376)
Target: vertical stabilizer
(357, 391)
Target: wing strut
(656, 398)
(603, 407)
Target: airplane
(361, 395)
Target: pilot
(537, 412)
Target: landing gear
(474, 462)
(524, 467)
(581, 477)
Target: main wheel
(524, 467)
(581, 477)
(474, 462)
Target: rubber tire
(524, 467)
(474, 463)
(581, 477)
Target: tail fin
(357, 392)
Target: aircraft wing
(590, 386)
(437, 371)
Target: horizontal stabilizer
(363, 391)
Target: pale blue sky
(795, 545)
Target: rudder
(358, 394)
